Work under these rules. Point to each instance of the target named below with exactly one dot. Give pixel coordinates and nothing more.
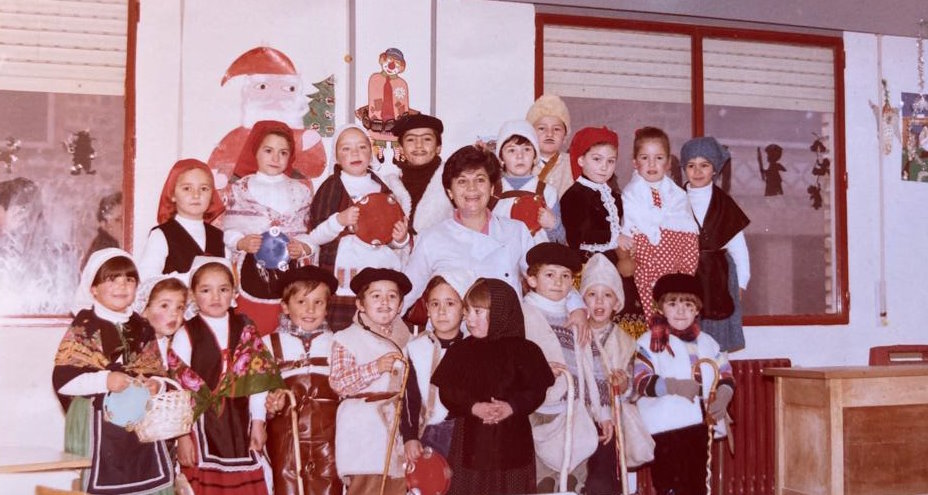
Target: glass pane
(773, 106)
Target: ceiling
(889, 17)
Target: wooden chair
(899, 354)
(45, 490)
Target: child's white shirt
(642, 216)
(737, 247)
(293, 349)
(151, 263)
(220, 328)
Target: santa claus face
(274, 97)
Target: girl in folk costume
(518, 151)
(334, 217)
(490, 383)
(367, 373)
(189, 202)
(263, 205)
(162, 301)
(425, 421)
(665, 379)
(220, 358)
(659, 225)
(610, 358)
(301, 346)
(107, 348)
(551, 120)
(724, 265)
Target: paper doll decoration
(321, 116)
(771, 175)
(822, 163)
(272, 90)
(815, 195)
(8, 151)
(888, 122)
(80, 146)
(387, 102)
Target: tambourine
(378, 212)
(429, 475)
(526, 209)
(273, 254)
(126, 408)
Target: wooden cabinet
(851, 430)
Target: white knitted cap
(600, 271)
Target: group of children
(286, 297)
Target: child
(490, 383)
(669, 386)
(334, 215)
(551, 120)
(610, 358)
(301, 346)
(659, 225)
(188, 203)
(219, 357)
(162, 301)
(721, 242)
(425, 419)
(367, 368)
(264, 203)
(106, 349)
(551, 270)
(518, 151)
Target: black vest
(182, 249)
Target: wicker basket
(169, 414)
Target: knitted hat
(547, 105)
(584, 139)
(552, 253)
(512, 128)
(600, 271)
(260, 60)
(704, 147)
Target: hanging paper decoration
(771, 174)
(387, 102)
(80, 146)
(8, 151)
(887, 121)
(821, 169)
(321, 115)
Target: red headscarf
(166, 207)
(584, 139)
(247, 162)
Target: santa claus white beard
(290, 112)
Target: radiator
(751, 470)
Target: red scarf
(661, 332)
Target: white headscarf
(143, 294)
(458, 278)
(83, 298)
(199, 262)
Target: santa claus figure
(387, 101)
(272, 91)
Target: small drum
(429, 475)
(526, 208)
(378, 213)
(126, 408)
(272, 254)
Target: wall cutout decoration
(387, 102)
(914, 139)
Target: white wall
(483, 80)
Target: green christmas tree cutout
(321, 115)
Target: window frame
(697, 34)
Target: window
(774, 99)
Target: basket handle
(168, 381)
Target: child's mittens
(718, 407)
(684, 387)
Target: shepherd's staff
(295, 430)
(616, 406)
(708, 418)
(394, 426)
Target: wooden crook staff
(708, 419)
(616, 406)
(295, 430)
(394, 426)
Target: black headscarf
(506, 318)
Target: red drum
(429, 475)
(526, 208)
(378, 213)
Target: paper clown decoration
(387, 102)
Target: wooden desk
(32, 459)
(854, 430)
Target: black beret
(308, 273)
(677, 283)
(552, 253)
(417, 121)
(370, 275)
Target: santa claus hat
(260, 60)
